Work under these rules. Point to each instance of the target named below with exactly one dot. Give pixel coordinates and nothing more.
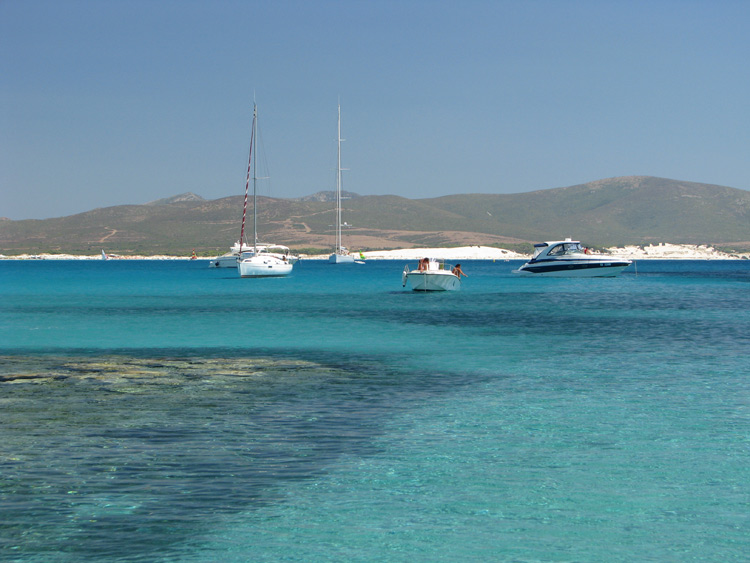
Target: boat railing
(433, 265)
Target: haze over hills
(614, 211)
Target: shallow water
(164, 411)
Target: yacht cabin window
(565, 248)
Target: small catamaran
(258, 263)
(340, 253)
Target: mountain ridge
(609, 212)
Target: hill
(615, 211)
(187, 196)
(633, 209)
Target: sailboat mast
(247, 183)
(338, 187)
(255, 180)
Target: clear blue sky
(108, 102)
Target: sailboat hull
(263, 267)
(341, 259)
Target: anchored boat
(340, 254)
(431, 275)
(229, 260)
(254, 263)
(568, 258)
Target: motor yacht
(568, 258)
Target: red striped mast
(247, 180)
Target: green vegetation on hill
(631, 210)
(615, 211)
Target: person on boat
(424, 265)
(458, 271)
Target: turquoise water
(165, 411)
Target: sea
(163, 411)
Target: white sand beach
(667, 251)
(458, 253)
(660, 251)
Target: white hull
(263, 267)
(441, 280)
(225, 261)
(569, 259)
(574, 269)
(341, 259)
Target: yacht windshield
(565, 248)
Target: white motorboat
(568, 258)
(229, 260)
(258, 262)
(340, 254)
(431, 275)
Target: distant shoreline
(660, 251)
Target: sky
(111, 102)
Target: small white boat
(258, 262)
(431, 275)
(340, 254)
(568, 258)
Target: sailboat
(229, 259)
(340, 253)
(257, 264)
